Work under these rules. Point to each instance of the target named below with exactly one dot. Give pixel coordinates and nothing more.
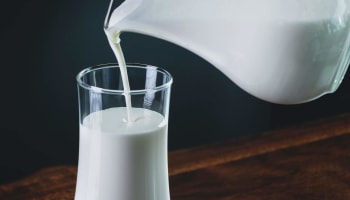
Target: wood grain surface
(308, 161)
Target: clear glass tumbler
(121, 159)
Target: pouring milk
(281, 51)
(123, 150)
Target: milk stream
(114, 42)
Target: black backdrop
(46, 43)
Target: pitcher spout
(118, 11)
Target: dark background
(46, 43)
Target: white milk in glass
(119, 161)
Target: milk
(114, 42)
(119, 161)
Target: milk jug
(281, 51)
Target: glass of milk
(123, 151)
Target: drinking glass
(121, 159)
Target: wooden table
(308, 161)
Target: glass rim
(121, 92)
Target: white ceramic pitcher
(281, 51)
